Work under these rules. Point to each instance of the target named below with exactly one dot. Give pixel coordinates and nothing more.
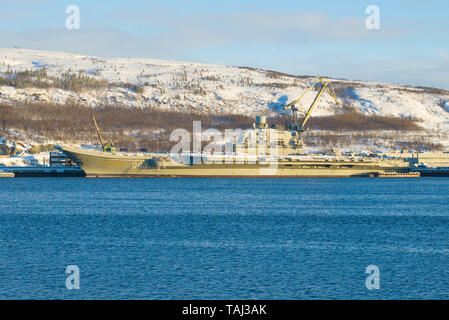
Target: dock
(42, 171)
(7, 174)
(59, 166)
(433, 172)
(410, 174)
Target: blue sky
(298, 37)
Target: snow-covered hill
(211, 88)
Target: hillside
(42, 78)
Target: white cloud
(443, 54)
(92, 41)
(177, 35)
(413, 71)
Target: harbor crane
(300, 125)
(108, 146)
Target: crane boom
(312, 106)
(98, 132)
(297, 100)
(325, 85)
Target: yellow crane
(107, 147)
(325, 85)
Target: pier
(433, 172)
(42, 171)
(7, 174)
(59, 166)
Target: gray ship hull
(106, 164)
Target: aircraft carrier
(260, 151)
(107, 164)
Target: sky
(327, 38)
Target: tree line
(135, 128)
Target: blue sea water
(202, 238)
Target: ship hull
(105, 164)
